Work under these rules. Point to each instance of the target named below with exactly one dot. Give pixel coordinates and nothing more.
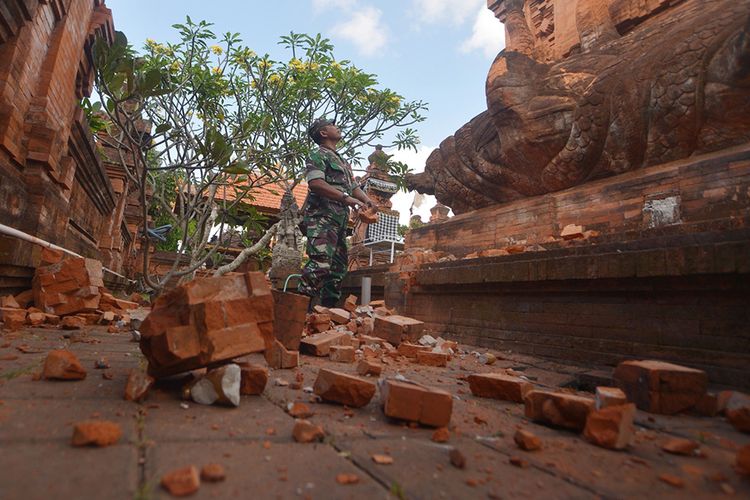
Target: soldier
(326, 213)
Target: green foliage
(94, 115)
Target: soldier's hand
(351, 201)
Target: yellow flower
(175, 66)
(254, 84)
(216, 70)
(335, 65)
(217, 50)
(331, 81)
(264, 64)
(296, 64)
(274, 79)
(151, 42)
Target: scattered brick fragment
(69, 286)
(73, 322)
(342, 388)
(742, 460)
(213, 473)
(518, 462)
(182, 482)
(499, 386)
(253, 379)
(416, 403)
(458, 460)
(107, 317)
(428, 358)
(13, 319)
(36, 318)
(527, 441)
(396, 329)
(611, 427)
(342, 354)
(63, 365)
(672, 480)
(339, 316)
(306, 432)
(8, 301)
(138, 385)
(290, 314)
(409, 350)
(347, 478)
(368, 367)
(279, 357)
(708, 405)
(659, 387)
(382, 459)
(680, 446)
(558, 409)
(24, 298)
(350, 304)
(441, 435)
(320, 343)
(96, 433)
(221, 385)
(572, 232)
(299, 409)
(737, 411)
(319, 321)
(609, 396)
(377, 303)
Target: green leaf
(164, 127)
(237, 168)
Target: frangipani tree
(207, 115)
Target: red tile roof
(266, 198)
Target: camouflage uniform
(325, 225)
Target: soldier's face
(331, 132)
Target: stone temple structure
(55, 180)
(603, 199)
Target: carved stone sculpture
(286, 256)
(677, 84)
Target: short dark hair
(317, 126)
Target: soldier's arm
(362, 196)
(322, 188)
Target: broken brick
(342, 353)
(396, 329)
(558, 409)
(737, 411)
(409, 350)
(96, 433)
(339, 316)
(609, 396)
(221, 385)
(571, 232)
(206, 321)
(68, 286)
(253, 379)
(346, 479)
(320, 343)
(660, 387)
(138, 385)
(8, 301)
(350, 304)
(441, 435)
(367, 367)
(429, 358)
(213, 473)
(527, 441)
(382, 459)
(107, 317)
(499, 386)
(611, 427)
(290, 314)
(181, 482)
(13, 319)
(680, 446)
(299, 409)
(279, 357)
(73, 322)
(416, 403)
(342, 388)
(672, 480)
(367, 327)
(36, 318)
(305, 431)
(25, 298)
(63, 365)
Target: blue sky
(438, 51)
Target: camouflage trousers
(326, 249)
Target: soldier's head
(324, 129)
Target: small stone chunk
(743, 460)
(441, 435)
(672, 480)
(382, 459)
(344, 389)
(499, 386)
(611, 427)
(368, 367)
(221, 386)
(416, 403)
(558, 409)
(680, 446)
(36, 318)
(306, 432)
(137, 385)
(107, 317)
(63, 365)
(13, 319)
(253, 379)
(342, 354)
(299, 409)
(737, 411)
(659, 387)
(428, 358)
(346, 479)
(527, 441)
(320, 344)
(350, 304)
(182, 482)
(213, 473)
(96, 433)
(609, 396)
(73, 322)
(458, 460)
(339, 316)
(10, 302)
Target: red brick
(253, 379)
(499, 386)
(367, 367)
(320, 343)
(416, 403)
(96, 433)
(138, 385)
(680, 446)
(350, 304)
(659, 387)
(13, 319)
(213, 473)
(63, 365)
(181, 482)
(339, 316)
(527, 441)
(611, 427)
(290, 314)
(429, 358)
(737, 411)
(396, 329)
(342, 388)
(609, 396)
(558, 409)
(279, 357)
(306, 432)
(342, 353)
(8, 301)
(319, 322)
(409, 350)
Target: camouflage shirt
(328, 165)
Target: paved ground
(254, 441)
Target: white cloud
(321, 5)
(455, 11)
(365, 30)
(488, 34)
(404, 201)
